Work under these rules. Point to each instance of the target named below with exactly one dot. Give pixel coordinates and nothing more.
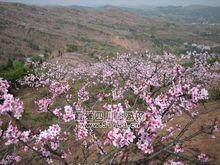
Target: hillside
(31, 30)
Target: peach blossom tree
(111, 108)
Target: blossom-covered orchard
(111, 109)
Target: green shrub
(215, 50)
(47, 52)
(106, 47)
(26, 115)
(188, 64)
(43, 119)
(13, 75)
(36, 58)
(213, 60)
(71, 48)
(214, 94)
(13, 70)
(9, 64)
(33, 46)
(18, 53)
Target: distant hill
(27, 30)
(193, 13)
(31, 30)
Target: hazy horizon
(93, 3)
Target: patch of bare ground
(69, 59)
(127, 43)
(206, 143)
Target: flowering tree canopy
(111, 107)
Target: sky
(119, 2)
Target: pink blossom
(49, 160)
(51, 133)
(11, 135)
(178, 148)
(126, 103)
(45, 153)
(117, 93)
(43, 104)
(57, 112)
(9, 159)
(13, 105)
(147, 98)
(177, 70)
(58, 88)
(121, 137)
(68, 115)
(198, 94)
(174, 162)
(83, 94)
(81, 132)
(3, 86)
(203, 157)
(69, 97)
(54, 145)
(145, 147)
(102, 96)
(64, 154)
(25, 136)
